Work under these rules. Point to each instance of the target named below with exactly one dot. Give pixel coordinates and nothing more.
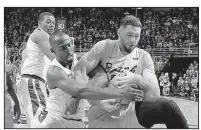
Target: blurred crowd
(175, 28)
(182, 84)
(171, 29)
(159, 63)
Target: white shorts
(99, 118)
(32, 93)
(8, 113)
(50, 120)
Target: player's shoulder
(54, 73)
(39, 34)
(105, 45)
(144, 53)
(106, 42)
(146, 57)
(100, 44)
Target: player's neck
(65, 64)
(43, 29)
(122, 49)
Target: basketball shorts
(123, 118)
(49, 119)
(32, 93)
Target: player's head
(62, 47)
(129, 32)
(46, 21)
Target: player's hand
(126, 77)
(109, 105)
(132, 94)
(72, 105)
(17, 111)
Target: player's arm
(148, 82)
(42, 40)
(89, 61)
(15, 67)
(56, 77)
(11, 90)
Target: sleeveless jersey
(57, 99)
(114, 61)
(33, 60)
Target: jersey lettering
(114, 72)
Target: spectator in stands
(180, 84)
(166, 87)
(194, 81)
(184, 76)
(187, 86)
(194, 85)
(195, 63)
(161, 84)
(174, 82)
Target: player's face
(48, 24)
(64, 52)
(129, 37)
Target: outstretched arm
(56, 77)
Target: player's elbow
(154, 92)
(157, 91)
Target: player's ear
(119, 31)
(39, 23)
(51, 50)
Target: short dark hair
(41, 16)
(131, 20)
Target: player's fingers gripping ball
(125, 85)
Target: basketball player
(34, 57)
(9, 88)
(122, 56)
(62, 87)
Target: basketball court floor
(189, 108)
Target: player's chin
(70, 58)
(50, 30)
(131, 47)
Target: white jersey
(46, 66)
(33, 59)
(114, 61)
(57, 99)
